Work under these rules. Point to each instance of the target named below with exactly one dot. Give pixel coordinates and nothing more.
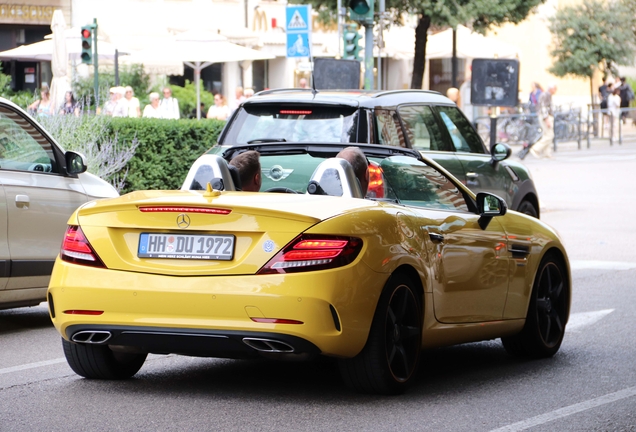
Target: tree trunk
(419, 61)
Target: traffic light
(87, 44)
(362, 11)
(351, 42)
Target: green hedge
(167, 149)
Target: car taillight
(76, 248)
(376, 182)
(314, 252)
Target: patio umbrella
(59, 61)
(199, 49)
(43, 51)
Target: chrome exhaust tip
(91, 336)
(268, 345)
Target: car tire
(526, 207)
(99, 362)
(548, 312)
(389, 360)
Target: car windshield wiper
(266, 140)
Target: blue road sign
(298, 28)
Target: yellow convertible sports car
(315, 269)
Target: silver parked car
(40, 187)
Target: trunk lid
(260, 223)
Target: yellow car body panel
(435, 266)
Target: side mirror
(75, 163)
(499, 152)
(489, 206)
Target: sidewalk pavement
(569, 148)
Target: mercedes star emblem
(183, 221)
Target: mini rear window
(292, 123)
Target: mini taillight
(376, 182)
(76, 248)
(314, 252)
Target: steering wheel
(281, 190)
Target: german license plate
(186, 246)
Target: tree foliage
(479, 15)
(597, 35)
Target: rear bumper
(212, 315)
(193, 342)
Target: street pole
(116, 67)
(95, 65)
(368, 56)
(340, 15)
(454, 61)
(381, 44)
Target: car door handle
(22, 201)
(438, 238)
(472, 174)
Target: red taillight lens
(296, 112)
(83, 312)
(77, 249)
(376, 182)
(175, 209)
(313, 252)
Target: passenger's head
(167, 92)
(249, 167)
(453, 94)
(249, 92)
(360, 165)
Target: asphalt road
(590, 385)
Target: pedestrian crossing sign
(298, 29)
(298, 18)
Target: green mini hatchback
(417, 119)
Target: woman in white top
(134, 109)
(152, 109)
(219, 110)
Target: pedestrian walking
(543, 148)
(533, 98)
(627, 95)
(614, 104)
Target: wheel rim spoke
(402, 333)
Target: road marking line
(32, 365)
(580, 320)
(601, 265)
(568, 411)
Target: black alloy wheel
(548, 313)
(390, 358)
(526, 207)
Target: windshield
(297, 123)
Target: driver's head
(249, 167)
(360, 165)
